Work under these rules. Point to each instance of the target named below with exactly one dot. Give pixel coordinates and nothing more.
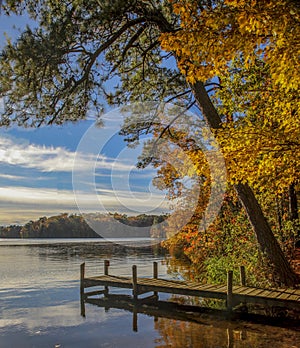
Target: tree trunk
(293, 208)
(265, 237)
(293, 204)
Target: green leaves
(59, 71)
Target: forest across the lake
(66, 225)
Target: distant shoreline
(85, 244)
(96, 225)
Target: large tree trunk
(265, 237)
(293, 208)
(293, 204)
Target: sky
(71, 168)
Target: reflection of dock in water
(203, 320)
(156, 309)
(233, 294)
(171, 310)
(161, 309)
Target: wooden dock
(232, 294)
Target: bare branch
(133, 39)
(178, 95)
(75, 84)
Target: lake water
(40, 303)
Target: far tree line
(75, 226)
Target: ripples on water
(40, 306)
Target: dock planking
(232, 294)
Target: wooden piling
(243, 283)
(134, 283)
(229, 290)
(230, 338)
(82, 307)
(242, 276)
(155, 275)
(82, 297)
(106, 265)
(82, 271)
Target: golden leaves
(262, 145)
(211, 38)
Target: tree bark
(265, 237)
(293, 204)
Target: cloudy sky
(70, 168)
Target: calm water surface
(40, 305)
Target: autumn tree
(58, 71)
(260, 140)
(255, 56)
(214, 38)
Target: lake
(40, 302)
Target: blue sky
(37, 168)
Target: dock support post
(243, 283)
(229, 290)
(82, 271)
(82, 297)
(106, 265)
(230, 338)
(155, 276)
(242, 275)
(134, 283)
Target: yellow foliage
(260, 140)
(210, 38)
(262, 144)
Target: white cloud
(42, 196)
(20, 204)
(49, 159)
(12, 177)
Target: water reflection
(177, 334)
(40, 305)
(181, 326)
